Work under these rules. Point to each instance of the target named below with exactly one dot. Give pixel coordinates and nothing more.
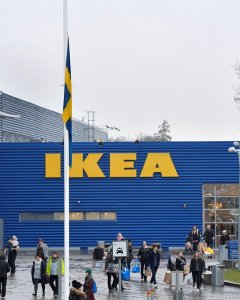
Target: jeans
(3, 284)
(52, 279)
(154, 272)
(12, 255)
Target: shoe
(34, 295)
(155, 286)
(43, 294)
(110, 290)
(198, 290)
(115, 288)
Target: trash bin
(217, 275)
(98, 253)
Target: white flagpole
(66, 165)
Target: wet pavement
(20, 286)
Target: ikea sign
(121, 165)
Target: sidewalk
(19, 287)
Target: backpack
(94, 287)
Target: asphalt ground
(20, 285)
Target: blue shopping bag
(125, 274)
(136, 267)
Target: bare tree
(236, 68)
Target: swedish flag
(67, 104)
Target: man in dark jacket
(4, 269)
(208, 236)
(143, 254)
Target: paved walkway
(20, 286)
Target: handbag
(148, 272)
(112, 268)
(185, 269)
(168, 277)
(125, 273)
(136, 267)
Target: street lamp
(236, 149)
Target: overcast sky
(134, 62)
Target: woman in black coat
(197, 267)
(38, 272)
(154, 261)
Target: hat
(40, 240)
(88, 271)
(224, 231)
(76, 284)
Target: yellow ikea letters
(121, 165)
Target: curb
(232, 283)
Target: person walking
(172, 262)
(224, 237)
(38, 272)
(88, 285)
(4, 269)
(111, 270)
(54, 267)
(42, 250)
(154, 262)
(143, 254)
(194, 237)
(12, 249)
(76, 292)
(208, 236)
(197, 267)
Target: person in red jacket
(88, 285)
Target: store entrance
(220, 209)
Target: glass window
(209, 190)
(76, 216)
(209, 216)
(92, 216)
(209, 202)
(111, 216)
(226, 202)
(58, 216)
(36, 217)
(221, 208)
(226, 189)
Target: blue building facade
(158, 208)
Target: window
(221, 208)
(108, 216)
(73, 216)
(93, 216)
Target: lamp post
(236, 149)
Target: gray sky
(134, 62)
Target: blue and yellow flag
(67, 104)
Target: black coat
(154, 258)
(224, 238)
(4, 266)
(143, 254)
(180, 263)
(208, 236)
(43, 271)
(194, 236)
(197, 264)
